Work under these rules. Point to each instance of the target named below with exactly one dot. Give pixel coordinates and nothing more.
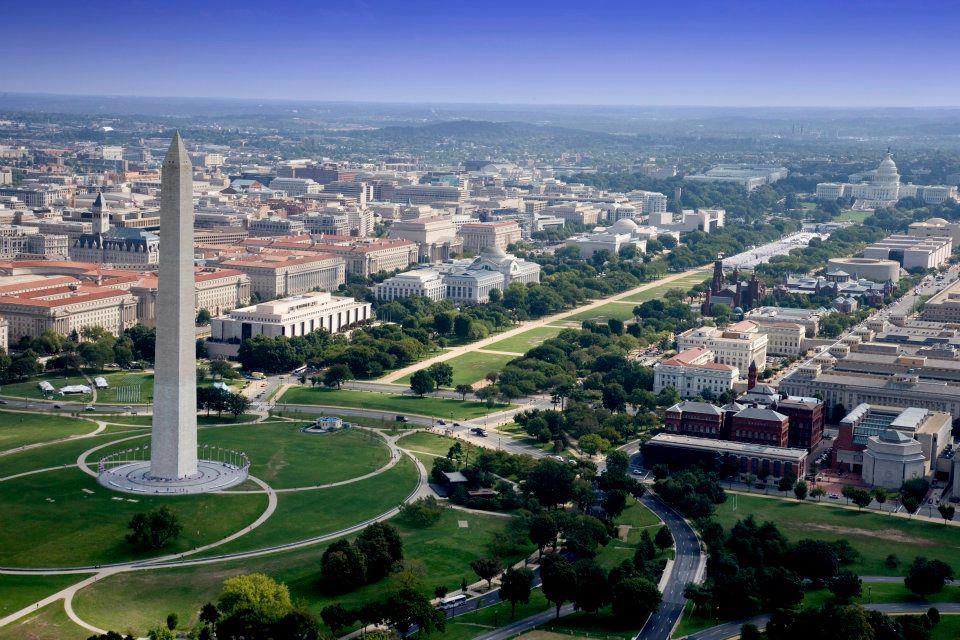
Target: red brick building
(761, 426)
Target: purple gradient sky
(683, 52)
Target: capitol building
(884, 189)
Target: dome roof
(937, 221)
(624, 225)
(895, 437)
(493, 252)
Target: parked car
(402, 419)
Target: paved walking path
(533, 324)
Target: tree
(592, 444)
(442, 374)
(817, 492)
(463, 390)
(223, 369)
(203, 317)
(488, 394)
(559, 580)
(947, 511)
(257, 593)
(614, 503)
(487, 569)
(663, 539)
(926, 577)
(846, 586)
(515, 587)
(342, 567)
(800, 490)
(407, 608)
(443, 322)
(172, 620)
(614, 397)
(382, 549)
(421, 382)
(635, 599)
(861, 497)
(237, 403)
(543, 531)
(209, 614)
(847, 492)
(161, 633)
(337, 617)
(880, 495)
(551, 482)
(787, 482)
(646, 549)
(297, 624)
(154, 529)
(814, 559)
(336, 375)
(592, 588)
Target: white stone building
(738, 345)
(293, 316)
(692, 372)
(892, 458)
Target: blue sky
(748, 52)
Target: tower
(174, 437)
(752, 376)
(718, 280)
(101, 218)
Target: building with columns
(277, 274)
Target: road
(688, 566)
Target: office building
(739, 345)
(436, 237)
(912, 252)
(684, 451)
(294, 187)
(478, 236)
(694, 373)
(275, 274)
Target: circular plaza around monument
(122, 471)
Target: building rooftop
(727, 446)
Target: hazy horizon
(689, 52)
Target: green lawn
(683, 284)
(948, 629)
(583, 625)
(306, 514)
(284, 457)
(872, 593)
(401, 404)
(638, 517)
(64, 518)
(849, 215)
(428, 446)
(440, 554)
(471, 367)
(875, 536)
(17, 592)
(523, 342)
(58, 454)
(29, 389)
(202, 419)
(604, 312)
(49, 623)
(19, 429)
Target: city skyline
(691, 53)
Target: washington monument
(173, 448)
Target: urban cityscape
(634, 321)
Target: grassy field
(401, 404)
(683, 284)
(872, 593)
(604, 312)
(875, 536)
(638, 517)
(305, 514)
(470, 625)
(440, 554)
(202, 419)
(433, 445)
(19, 429)
(58, 454)
(49, 623)
(948, 629)
(523, 342)
(850, 215)
(17, 592)
(64, 518)
(471, 367)
(284, 458)
(29, 389)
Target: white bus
(451, 602)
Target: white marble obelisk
(173, 447)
